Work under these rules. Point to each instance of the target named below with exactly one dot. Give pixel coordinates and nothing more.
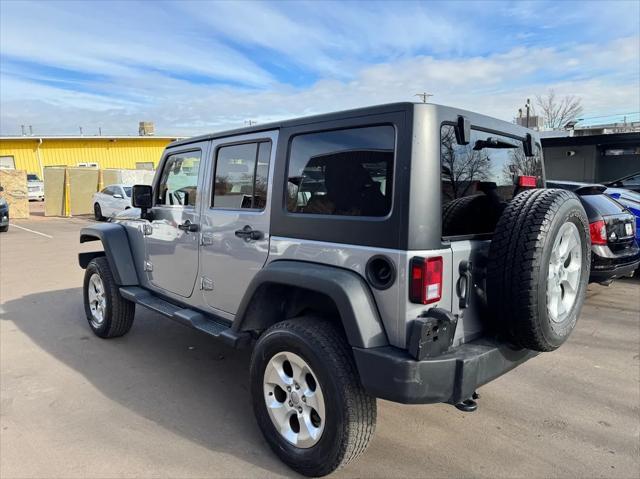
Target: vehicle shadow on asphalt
(176, 377)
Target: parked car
(630, 200)
(4, 212)
(110, 201)
(614, 248)
(631, 182)
(35, 187)
(322, 243)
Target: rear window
(479, 178)
(345, 172)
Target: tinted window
(108, 191)
(344, 172)
(127, 191)
(479, 178)
(179, 181)
(242, 173)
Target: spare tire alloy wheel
(294, 399)
(538, 270)
(565, 268)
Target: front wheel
(108, 313)
(307, 396)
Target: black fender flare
(351, 294)
(116, 248)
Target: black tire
(518, 267)
(118, 313)
(4, 229)
(351, 411)
(470, 215)
(97, 212)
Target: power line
(611, 114)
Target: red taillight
(426, 280)
(527, 181)
(598, 231)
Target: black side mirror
(463, 130)
(142, 197)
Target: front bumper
(392, 374)
(4, 217)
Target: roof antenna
(425, 96)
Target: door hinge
(207, 239)
(148, 266)
(206, 284)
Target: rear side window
(242, 173)
(345, 172)
(478, 179)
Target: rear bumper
(609, 272)
(606, 265)
(390, 373)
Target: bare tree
(557, 111)
(461, 165)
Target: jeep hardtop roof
(476, 118)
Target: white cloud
(496, 85)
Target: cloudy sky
(193, 67)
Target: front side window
(241, 178)
(179, 180)
(479, 178)
(127, 191)
(345, 172)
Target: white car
(35, 187)
(111, 200)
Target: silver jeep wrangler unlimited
(408, 252)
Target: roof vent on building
(146, 128)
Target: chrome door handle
(189, 227)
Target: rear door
(172, 245)
(235, 218)
(478, 180)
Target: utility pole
(528, 107)
(425, 96)
(30, 130)
(81, 134)
(99, 131)
(250, 122)
(22, 128)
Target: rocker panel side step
(216, 327)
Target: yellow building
(33, 154)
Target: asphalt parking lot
(165, 401)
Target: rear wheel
(307, 396)
(538, 271)
(97, 212)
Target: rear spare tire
(538, 270)
(470, 215)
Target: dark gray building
(595, 158)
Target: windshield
(127, 191)
(32, 177)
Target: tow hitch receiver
(469, 405)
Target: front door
(235, 222)
(172, 242)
